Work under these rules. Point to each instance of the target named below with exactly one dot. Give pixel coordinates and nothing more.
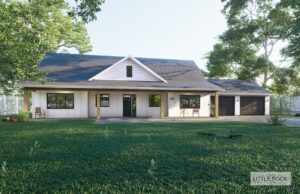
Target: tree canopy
(29, 29)
(255, 27)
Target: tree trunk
(266, 69)
(266, 75)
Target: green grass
(78, 156)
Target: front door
(129, 105)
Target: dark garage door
(252, 105)
(226, 105)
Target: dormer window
(129, 71)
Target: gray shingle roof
(232, 86)
(74, 70)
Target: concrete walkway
(256, 119)
(292, 122)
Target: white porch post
(267, 105)
(237, 105)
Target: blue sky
(157, 28)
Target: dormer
(128, 69)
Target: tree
(86, 9)
(286, 81)
(30, 29)
(292, 7)
(233, 60)
(254, 28)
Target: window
(60, 101)
(129, 71)
(154, 100)
(189, 101)
(104, 100)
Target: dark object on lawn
(10, 119)
(206, 134)
(297, 115)
(233, 136)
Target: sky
(173, 29)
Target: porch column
(216, 104)
(98, 105)
(162, 104)
(26, 95)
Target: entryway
(129, 105)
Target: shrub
(22, 117)
(275, 119)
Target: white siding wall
(296, 104)
(237, 105)
(174, 104)
(118, 72)
(267, 105)
(116, 105)
(39, 99)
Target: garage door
(252, 105)
(226, 105)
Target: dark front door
(252, 105)
(129, 105)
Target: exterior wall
(174, 104)
(84, 105)
(267, 105)
(39, 99)
(237, 105)
(118, 72)
(115, 108)
(295, 104)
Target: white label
(270, 178)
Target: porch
(121, 103)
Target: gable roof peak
(97, 76)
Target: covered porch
(106, 103)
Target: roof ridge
(168, 59)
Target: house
(88, 86)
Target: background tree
(86, 9)
(254, 28)
(286, 81)
(292, 7)
(29, 29)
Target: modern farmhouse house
(87, 86)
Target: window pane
(129, 71)
(189, 101)
(60, 101)
(154, 100)
(104, 100)
(69, 101)
(133, 102)
(195, 102)
(51, 101)
(184, 101)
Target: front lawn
(78, 156)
